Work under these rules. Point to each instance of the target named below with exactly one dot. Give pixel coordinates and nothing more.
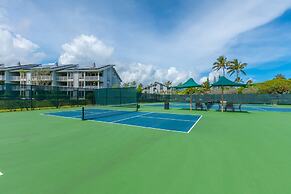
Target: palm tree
(221, 63)
(236, 67)
(206, 86)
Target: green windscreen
(16, 96)
(115, 96)
(235, 98)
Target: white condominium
(70, 75)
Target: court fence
(29, 97)
(284, 99)
(116, 96)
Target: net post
(137, 107)
(83, 114)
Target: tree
(221, 64)
(236, 67)
(275, 86)
(126, 84)
(280, 76)
(129, 84)
(205, 86)
(139, 88)
(189, 91)
(133, 84)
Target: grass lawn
(225, 153)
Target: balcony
(91, 87)
(64, 78)
(92, 78)
(15, 78)
(42, 77)
(2, 77)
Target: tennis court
(118, 145)
(161, 121)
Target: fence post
(30, 94)
(78, 96)
(57, 93)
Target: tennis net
(108, 111)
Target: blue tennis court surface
(162, 121)
(244, 107)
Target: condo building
(70, 75)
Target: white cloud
(200, 41)
(85, 50)
(212, 76)
(146, 73)
(15, 48)
(201, 37)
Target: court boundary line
(136, 116)
(114, 123)
(194, 124)
(171, 119)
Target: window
(81, 84)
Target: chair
(200, 106)
(231, 106)
(208, 105)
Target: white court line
(76, 116)
(131, 117)
(163, 118)
(95, 113)
(194, 124)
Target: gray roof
(84, 69)
(18, 67)
(60, 68)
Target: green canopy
(190, 83)
(223, 81)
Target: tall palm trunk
(237, 76)
(222, 98)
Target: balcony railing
(92, 78)
(15, 78)
(92, 87)
(64, 78)
(42, 77)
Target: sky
(150, 40)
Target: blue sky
(150, 40)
